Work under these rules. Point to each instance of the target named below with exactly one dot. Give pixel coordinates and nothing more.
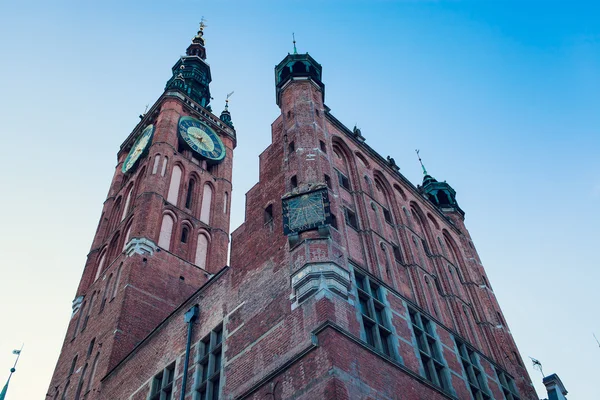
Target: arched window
(189, 198)
(127, 202)
(431, 292)
(100, 265)
(163, 171)
(127, 235)
(166, 229)
(268, 216)
(173, 194)
(184, 234)
(206, 202)
(156, 164)
(201, 251)
(81, 311)
(294, 182)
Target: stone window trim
(162, 384)
(476, 381)
(375, 322)
(429, 350)
(209, 363)
(507, 385)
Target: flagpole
(12, 371)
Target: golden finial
(199, 36)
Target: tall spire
(294, 40)
(12, 371)
(421, 161)
(199, 38)
(191, 73)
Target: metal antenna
(537, 365)
(596, 339)
(294, 38)
(422, 166)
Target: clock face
(138, 148)
(201, 138)
(306, 211)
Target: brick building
(346, 280)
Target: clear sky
(501, 97)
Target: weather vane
(227, 100)
(421, 161)
(537, 365)
(12, 371)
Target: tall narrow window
(163, 170)
(206, 202)
(89, 311)
(77, 324)
(190, 194)
(429, 349)
(208, 370)
(225, 201)
(117, 281)
(156, 164)
(201, 251)
(327, 181)
(173, 194)
(374, 320)
(184, 234)
(127, 235)
(322, 146)
(474, 372)
(294, 182)
(268, 216)
(291, 147)
(350, 217)
(80, 384)
(92, 373)
(343, 180)
(166, 229)
(397, 253)
(387, 215)
(106, 294)
(162, 384)
(127, 203)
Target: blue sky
(501, 97)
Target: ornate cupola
(439, 193)
(297, 67)
(191, 73)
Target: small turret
(439, 193)
(297, 67)
(225, 114)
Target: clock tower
(163, 232)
